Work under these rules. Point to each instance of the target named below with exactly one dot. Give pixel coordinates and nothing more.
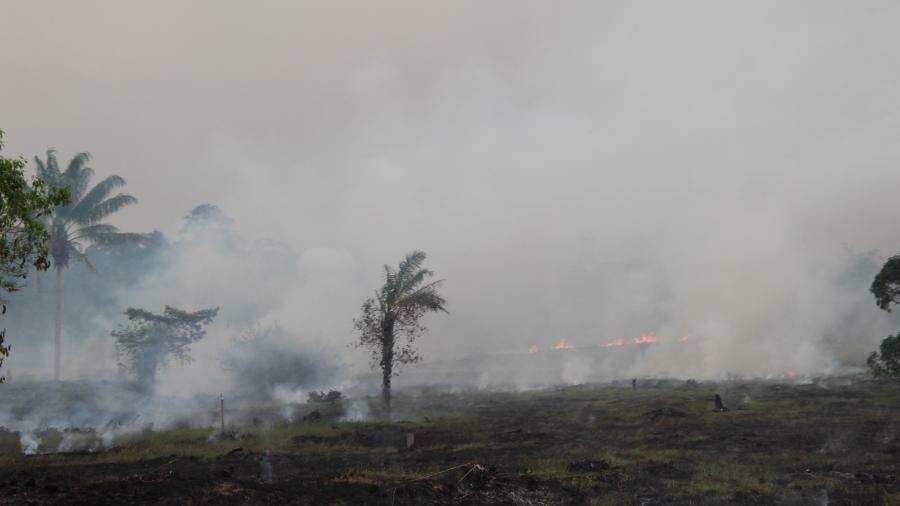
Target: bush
(887, 363)
(331, 396)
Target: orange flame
(643, 339)
(563, 345)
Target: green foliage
(23, 236)
(887, 363)
(397, 308)
(886, 286)
(80, 220)
(150, 340)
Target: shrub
(331, 396)
(886, 363)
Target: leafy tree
(886, 288)
(23, 236)
(887, 363)
(79, 221)
(396, 310)
(148, 341)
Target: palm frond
(105, 208)
(95, 232)
(83, 258)
(425, 298)
(52, 165)
(410, 264)
(76, 164)
(389, 289)
(97, 194)
(415, 280)
(78, 181)
(48, 171)
(116, 238)
(40, 168)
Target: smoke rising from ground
(579, 170)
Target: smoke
(579, 170)
(269, 364)
(89, 415)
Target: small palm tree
(395, 310)
(79, 222)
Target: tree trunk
(57, 325)
(145, 370)
(386, 373)
(387, 363)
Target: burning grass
(779, 443)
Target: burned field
(829, 441)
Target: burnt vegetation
(833, 441)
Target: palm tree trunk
(387, 365)
(57, 325)
(386, 373)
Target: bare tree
(395, 311)
(148, 341)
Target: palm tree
(78, 222)
(395, 310)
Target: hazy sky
(582, 169)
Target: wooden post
(222, 411)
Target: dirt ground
(832, 441)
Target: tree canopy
(81, 219)
(886, 361)
(886, 286)
(396, 309)
(148, 341)
(23, 235)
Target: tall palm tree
(79, 222)
(396, 309)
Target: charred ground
(833, 440)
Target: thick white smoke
(582, 170)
